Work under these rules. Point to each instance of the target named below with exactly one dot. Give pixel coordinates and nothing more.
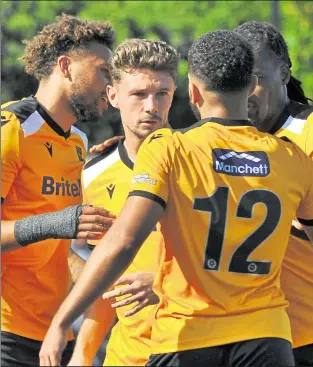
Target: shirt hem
(308, 341)
(33, 336)
(198, 344)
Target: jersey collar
(227, 122)
(280, 121)
(49, 120)
(292, 109)
(217, 120)
(126, 160)
(124, 156)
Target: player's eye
(138, 94)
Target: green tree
(177, 22)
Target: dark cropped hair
(67, 35)
(222, 61)
(261, 34)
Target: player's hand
(53, 346)
(94, 222)
(138, 287)
(101, 147)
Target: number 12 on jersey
(217, 204)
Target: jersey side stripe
(295, 125)
(92, 172)
(32, 124)
(83, 136)
(22, 109)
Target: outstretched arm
(78, 221)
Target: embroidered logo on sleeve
(143, 178)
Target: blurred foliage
(177, 22)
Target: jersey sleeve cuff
(149, 195)
(299, 234)
(306, 222)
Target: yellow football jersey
(296, 124)
(106, 182)
(230, 194)
(41, 173)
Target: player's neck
(55, 102)
(231, 107)
(132, 145)
(276, 114)
(224, 112)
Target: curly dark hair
(137, 53)
(67, 35)
(262, 34)
(222, 60)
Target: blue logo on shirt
(230, 162)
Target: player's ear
(112, 95)
(64, 63)
(285, 74)
(194, 92)
(254, 83)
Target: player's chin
(149, 128)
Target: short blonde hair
(134, 54)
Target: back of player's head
(222, 61)
(66, 36)
(134, 54)
(262, 34)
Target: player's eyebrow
(165, 89)
(136, 90)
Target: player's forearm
(107, 262)
(36, 228)
(76, 265)
(98, 321)
(8, 240)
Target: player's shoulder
(15, 113)
(158, 140)
(196, 132)
(292, 149)
(160, 136)
(308, 115)
(108, 156)
(194, 127)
